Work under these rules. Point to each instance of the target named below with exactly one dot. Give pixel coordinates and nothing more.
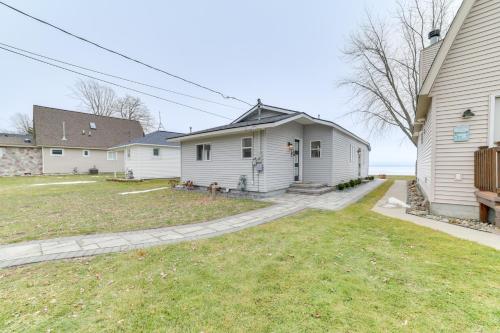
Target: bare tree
(96, 98)
(130, 107)
(385, 59)
(23, 123)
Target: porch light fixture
(468, 114)
(290, 148)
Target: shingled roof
(63, 128)
(16, 140)
(158, 138)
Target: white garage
(152, 156)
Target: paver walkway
(88, 245)
(398, 190)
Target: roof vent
(435, 36)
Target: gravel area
(419, 206)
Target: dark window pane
(247, 152)
(156, 152)
(247, 142)
(207, 152)
(199, 152)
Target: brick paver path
(88, 245)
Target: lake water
(392, 170)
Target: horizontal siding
(318, 170)
(146, 166)
(343, 168)
(469, 75)
(278, 162)
(73, 158)
(226, 165)
(424, 156)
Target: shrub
(352, 183)
(358, 181)
(347, 185)
(340, 187)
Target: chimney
(190, 129)
(435, 36)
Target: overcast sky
(285, 52)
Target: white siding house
(459, 93)
(152, 156)
(272, 148)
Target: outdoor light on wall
(468, 114)
(290, 148)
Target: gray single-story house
(152, 156)
(267, 149)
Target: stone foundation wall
(19, 161)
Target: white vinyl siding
(278, 162)
(343, 169)
(469, 75)
(145, 165)
(263, 114)
(73, 158)
(226, 165)
(318, 170)
(424, 156)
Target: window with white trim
(56, 152)
(156, 152)
(85, 153)
(203, 152)
(112, 156)
(246, 147)
(315, 149)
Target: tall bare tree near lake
(384, 54)
(96, 98)
(22, 123)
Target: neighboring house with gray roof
(67, 141)
(267, 149)
(152, 156)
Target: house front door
(296, 160)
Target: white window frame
(203, 152)
(88, 153)
(56, 155)
(115, 158)
(156, 156)
(315, 149)
(251, 148)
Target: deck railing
(487, 169)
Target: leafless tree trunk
(96, 98)
(385, 58)
(133, 108)
(22, 123)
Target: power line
(118, 77)
(123, 55)
(116, 84)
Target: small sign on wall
(461, 133)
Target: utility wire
(123, 55)
(119, 77)
(115, 84)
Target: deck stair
(309, 188)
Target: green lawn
(348, 271)
(37, 212)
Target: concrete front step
(310, 191)
(308, 185)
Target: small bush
(358, 181)
(352, 183)
(340, 187)
(347, 185)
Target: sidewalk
(398, 190)
(89, 245)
